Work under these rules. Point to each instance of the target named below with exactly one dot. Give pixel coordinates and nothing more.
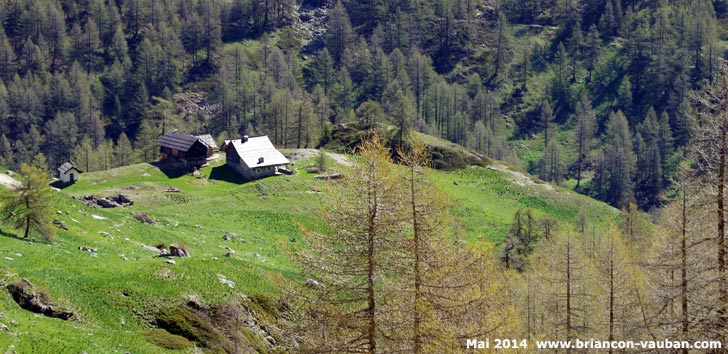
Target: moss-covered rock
(187, 323)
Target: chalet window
(175, 151)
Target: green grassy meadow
(117, 291)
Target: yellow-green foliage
(167, 340)
(185, 322)
(266, 305)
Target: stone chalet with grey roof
(254, 157)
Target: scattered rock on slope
(60, 224)
(144, 218)
(313, 284)
(177, 250)
(230, 236)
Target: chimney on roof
(245, 138)
(260, 160)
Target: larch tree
(445, 293)
(592, 48)
(403, 115)
(710, 149)
(546, 117)
(550, 164)
(350, 258)
(123, 152)
(649, 175)
(305, 123)
(523, 236)
(211, 30)
(665, 143)
(617, 163)
(634, 227)
(565, 289)
(618, 280)
(681, 265)
(340, 34)
(503, 55)
(30, 207)
(60, 135)
(7, 57)
(6, 152)
(146, 140)
(83, 155)
(585, 122)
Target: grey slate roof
(178, 141)
(257, 148)
(208, 140)
(67, 167)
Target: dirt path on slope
(9, 182)
(300, 154)
(519, 178)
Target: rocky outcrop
(250, 325)
(115, 201)
(177, 250)
(313, 284)
(331, 176)
(312, 21)
(25, 294)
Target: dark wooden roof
(178, 141)
(67, 167)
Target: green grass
(485, 201)
(118, 292)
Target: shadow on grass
(29, 239)
(227, 174)
(11, 235)
(60, 185)
(171, 169)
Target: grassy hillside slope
(117, 291)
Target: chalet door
(72, 177)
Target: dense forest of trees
(98, 81)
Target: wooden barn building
(254, 157)
(210, 142)
(191, 150)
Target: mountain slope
(236, 233)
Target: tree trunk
(683, 270)
(723, 292)
(568, 291)
(611, 293)
(27, 216)
(418, 269)
(300, 125)
(371, 303)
